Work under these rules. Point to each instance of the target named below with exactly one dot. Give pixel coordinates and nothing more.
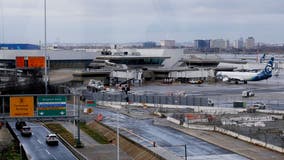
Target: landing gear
(245, 82)
(236, 82)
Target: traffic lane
(59, 152)
(163, 136)
(29, 144)
(36, 147)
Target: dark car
(26, 131)
(20, 124)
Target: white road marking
(54, 157)
(47, 152)
(39, 141)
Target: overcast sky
(81, 21)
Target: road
(36, 148)
(145, 133)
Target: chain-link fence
(190, 100)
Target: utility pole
(45, 50)
(185, 152)
(117, 133)
(78, 122)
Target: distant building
(202, 44)
(168, 43)
(250, 43)
(227, 45)
(239, 44)
(14, 46)
(218, 43)
(149, 44)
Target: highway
(37, 149)
(144, 132)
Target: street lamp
(117, 133)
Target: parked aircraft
(247, 76)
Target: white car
(95, 85)
(51, 139)
(259, 105)
(26, 131)
(247, 93)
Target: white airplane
(247, 76)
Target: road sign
(91, 103)
(51, 106)
(22, 106)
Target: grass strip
(93, 133)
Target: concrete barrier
(275, 148)
(173, 120)
(230, 133)
(200, 127)
(250, 140)
(258, 142)
(244, 138)
(270, 111)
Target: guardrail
(79, 155)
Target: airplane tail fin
(269, 67)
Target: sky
(121, 21)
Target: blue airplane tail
(269, 67)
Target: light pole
(117, 133)
(45, 54)
(185, 152)
(78, 143)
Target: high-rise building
(218, 43)
(228, 44)
(202, 44)
(149, 44)
(250, 43)
(168, 43)
(239, 44)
